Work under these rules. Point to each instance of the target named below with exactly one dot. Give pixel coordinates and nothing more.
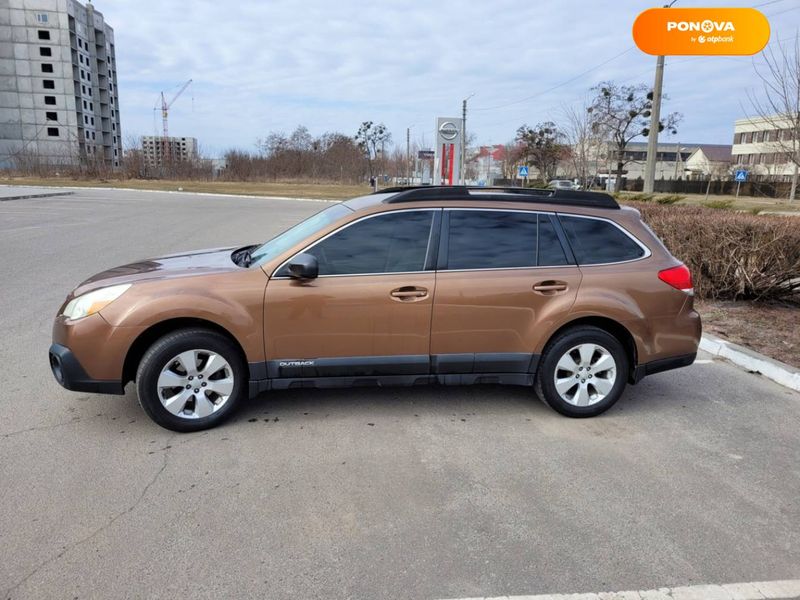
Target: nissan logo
(448, 130)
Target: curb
(28, 196)
(124, 189)
(754, 362)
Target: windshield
(281, 243)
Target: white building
(763, 146)
(713, 161)
(58, 84)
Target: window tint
(550, 250)
(594, 241)
(390, 243)
(491, 240)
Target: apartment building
(159, 151)
(58, 84)
(763, 147)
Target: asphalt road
(693, 477)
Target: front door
(368, 313)
(503, 281)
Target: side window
(595, 241)
(491, 239)
(551, 253)
(390, 243)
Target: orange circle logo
(701, 31)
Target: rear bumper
(663, 364)
(69, 373)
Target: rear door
(369, 311)
(504, 278)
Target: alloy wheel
(585, 374)
(195, 384)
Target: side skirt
(383, 371)
(262, 385)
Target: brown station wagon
(561, 290)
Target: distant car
(564, 291)
(563, 184)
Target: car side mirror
(304, 266)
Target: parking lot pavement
(692, 478)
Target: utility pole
(463, 169)
(652, 138)
(655, 120)
(408, 154)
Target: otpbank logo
(698, 31)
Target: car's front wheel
(582, 372)
(191, 379)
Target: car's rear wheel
(191, 379)
(582, 372)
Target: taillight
(678, 277)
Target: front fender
(233, 301)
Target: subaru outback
(562, 291)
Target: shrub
(669, 199)
(640, 197)
(719, 204)
(732, 256)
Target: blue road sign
(523, 171)
(740, 175)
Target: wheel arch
(162, 328)
(615, 328)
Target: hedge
(732, 256)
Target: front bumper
(70, 374)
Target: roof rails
(499, 194)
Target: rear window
(491, 240)
(595, 241)
(501, 240)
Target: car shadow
(648, 398)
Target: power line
(780, 12)
(558, 85)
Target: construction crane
(165, 106)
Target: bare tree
(583, 141)
(780, 108)
(620, 113)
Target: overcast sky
(269, 65)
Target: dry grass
(767, 328)
(325, 191)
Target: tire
(199, 395)
(566, 358)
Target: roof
(717, 152)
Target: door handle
(408, 293)
(550, 286)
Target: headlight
(93, 302)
